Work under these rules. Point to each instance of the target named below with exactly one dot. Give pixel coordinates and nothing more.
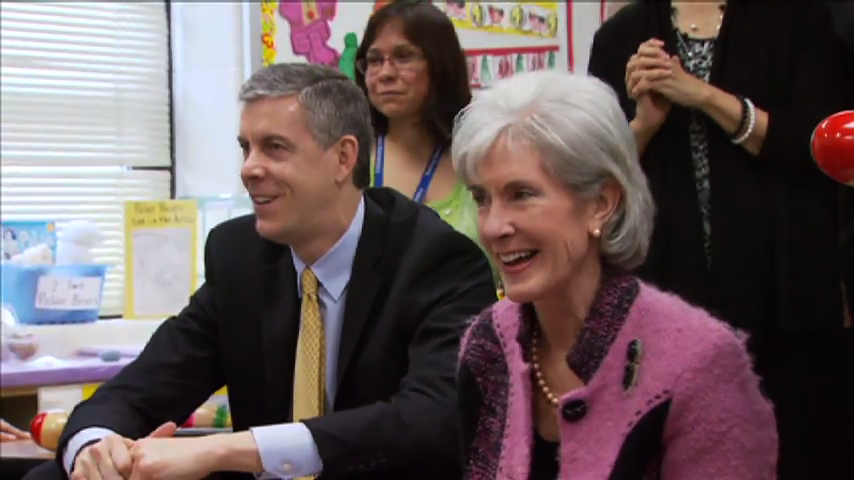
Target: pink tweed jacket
(668, 393)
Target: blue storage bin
(53, 294)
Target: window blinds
(85, 104)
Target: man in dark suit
(393, 286)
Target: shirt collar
(333, 268)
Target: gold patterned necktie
(310, 369)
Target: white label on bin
(68, 293)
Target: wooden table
(21, 381)
(18, 378)
(24, 449)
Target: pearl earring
(597, 232)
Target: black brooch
(630, 372)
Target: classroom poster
(160, 257)
(500, 38)
(213, 211)
(536, 19)
(489, 65)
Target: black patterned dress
(696, 55)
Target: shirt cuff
(287, 450)
(80, 440)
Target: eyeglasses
(400, 61)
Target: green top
(458, 208)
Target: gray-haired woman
(584, 371)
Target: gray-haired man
(391, 285)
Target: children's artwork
(160, 257)
(489, 65)
(309, 33)
(347, 61)
(535, 34)
(21, 235)
(268, 32)
(538, 19)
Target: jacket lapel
(365, 280)
(279, 330)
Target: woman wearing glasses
(412, 68)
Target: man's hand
(160, 457)
(110, 458)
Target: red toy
(203, 417)
(209, 415)
(46, 428)
(833, 147)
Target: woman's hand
(651, 108)
(9, 433)
(680, 87)
(649, 64)
(652, 69)
(653, 72)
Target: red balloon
(833, 147)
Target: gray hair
(576, 123)
(335, 106)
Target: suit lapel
(365, 280)
(279, 331)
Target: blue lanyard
(426, 177)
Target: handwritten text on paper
(68, 293)
(162, 214)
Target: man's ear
(347, 154)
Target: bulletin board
(500, 38)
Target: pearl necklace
(674, 12)
(535, 360)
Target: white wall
(585, 21)
(216, 46)
(210, 62)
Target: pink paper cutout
(310, 37)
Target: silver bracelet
(751, 123)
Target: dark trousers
(809, 379)
(46, 471)
(17, 468)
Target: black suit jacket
(414, 285)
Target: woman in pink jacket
(585, 372)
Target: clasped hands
(158, 456)
(655, 80)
